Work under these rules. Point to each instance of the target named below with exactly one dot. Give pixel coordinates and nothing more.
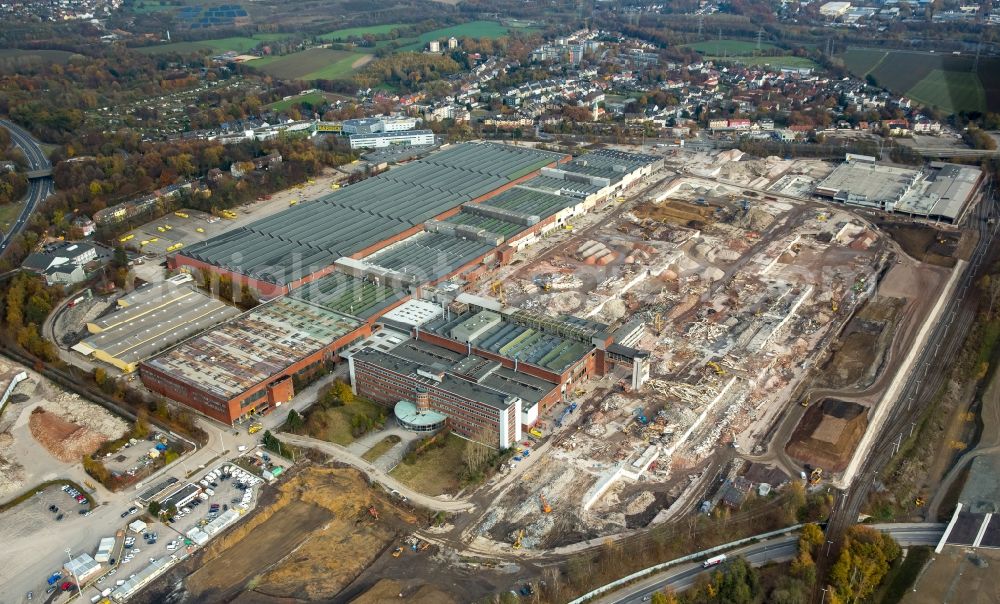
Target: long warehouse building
(282, 252)
(337, 269)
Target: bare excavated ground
(306, 541)
(927, 244)
(952, 576)
(65, 440)
(228, 574)
(828, 433)
(858, 356)
(389, 590)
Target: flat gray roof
(139, 331)
(493, 225)
(300, 240)
(877, 183)
(609, 163)
(947, 193)
(528, 200)
(476, 368)
(254, 347)
(392, 361)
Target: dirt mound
(828, 433)
(389, 590)
(65, 440)
(756, 219)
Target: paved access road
(38, 188)
(343, 455)
(777, 549)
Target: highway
(38, 188)
(776, 549)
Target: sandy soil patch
(65, 440)
(388, 590)
(317, 526)
(362, 61)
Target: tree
(667, 597)
(342, 390)
(863, 562)
(154, 508)
(141, 428)
(97, 470)
(811, 537)
(477, 453)
(100, 375)
(294, 421)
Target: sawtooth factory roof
(429, 255)
(349, 295)
(293, 243)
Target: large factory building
(340, 268)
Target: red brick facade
(265, 396)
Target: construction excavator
(545, 504)
(716, 368)
(497, 289)
(658, 323)
(517, 542)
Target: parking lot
(170, 540)
(48, 512)
(135, 457)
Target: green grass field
(144, 7)
(12, 55)
(473, 29)
(952, 91)
(943, 80)
(313, 98)
(437, 470)
(311, 64)
(860, 61)
(237, 44)
(381, 448)
(8, 215)
(334, 424)
(343, 34)
(775, 62)
(728, 47)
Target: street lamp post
(824, 596)
(828, 544)
(69, 558)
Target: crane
(517, 542)
(545, 504)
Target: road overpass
(40, 185)
(769, 550)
